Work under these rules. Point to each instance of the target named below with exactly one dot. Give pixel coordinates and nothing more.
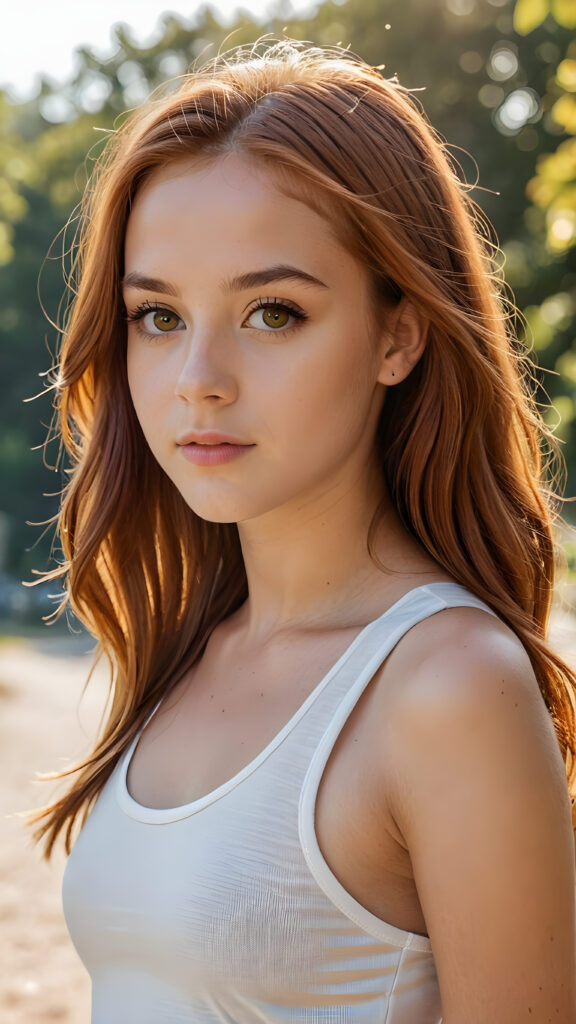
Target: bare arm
(480, 796)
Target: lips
(213, 453)
(209, 438)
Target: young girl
(308, 523)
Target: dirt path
(42, 728)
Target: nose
(205, 373)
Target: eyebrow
(242, 282)
(280, 272)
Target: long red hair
(463, 448)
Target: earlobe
(403, 344)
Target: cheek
(331, 393)
(145, 386)
(133, 371)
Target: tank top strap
(331, 701)
(355, 669)
(370, 650)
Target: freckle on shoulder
(461, 651)
(462, 632)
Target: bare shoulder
(464, 683)
(463, 657)
(477, 788)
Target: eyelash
(134, 316)
(137, 314)
(294, 311)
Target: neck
(312, 568)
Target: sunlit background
(54, 30)
(497, 78)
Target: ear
(402, 343)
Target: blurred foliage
(553, 188)
(495, 77)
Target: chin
(223, 510)
(231, 508)
(214, 517)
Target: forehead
(226, 203)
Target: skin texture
(308, 398)
(272, 388)
(447, 774)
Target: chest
(219, 721)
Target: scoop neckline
(164, 815)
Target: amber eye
(273, 316)
(164, 320)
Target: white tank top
(224, 910)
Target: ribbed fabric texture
(224, 910)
